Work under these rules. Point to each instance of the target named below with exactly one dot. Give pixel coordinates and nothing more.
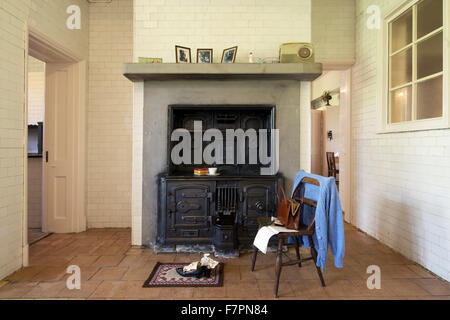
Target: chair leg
(297, 252)
(278, 266)
(314, 255)
(255, 254)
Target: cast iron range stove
(217, 210)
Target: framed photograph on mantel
(183, 54)
(229, 55)
(204, 55)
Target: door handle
(46, 156)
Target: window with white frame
(416, 63)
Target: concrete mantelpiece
(213, 71)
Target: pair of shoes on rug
(199, 273)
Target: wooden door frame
(345, 124)
(50, 51)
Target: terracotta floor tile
(109, 250)
(186, 258)
(107, 242)
(25, 274)
(210, 292)
(51, 261)
(246, 273)
(140, 273)
(266, 289)
(16, 290)
(309, 288)
(404, 287)
(340, 288)
(294, 273)
(83, 260)
(384, 291)
(107, 289)
(109, 273)
(176, 293)
(134, 251)
(87, 250)
(50, 274)
(134, 290)
(266, 272)
(46, 290)
(165, 257)
(107, 261)
(422, 272)
(435, 287)
(307, 272)
(397, 272)
(232, 273)
(86, 273)
(125, 290)
(66, 252)
(87, 288)
(242, 290)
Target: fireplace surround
(221, 210)
(286, 86)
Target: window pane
(401, 31)
(429, 17)
(429, 56)
(429, 99)
(401, 68)
(401, 105)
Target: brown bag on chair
(289, 211)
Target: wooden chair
(303, 231)
(332, 171)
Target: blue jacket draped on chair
(329, 220)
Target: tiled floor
(112, 269)
(35, 235)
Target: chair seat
(303, 231)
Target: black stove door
(189, 211)
(258, 200)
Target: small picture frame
(229, 55)
(183, 54)
(204, 55)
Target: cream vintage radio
(293, 52)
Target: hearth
(217, 210)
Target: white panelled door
(59, 149)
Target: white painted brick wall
(109, 115)
(48, 17)
(333, 31)
(401, 181)
(260, 26)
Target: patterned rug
(165, 275)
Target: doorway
(59, 144)
(36, 117)
(331, 131)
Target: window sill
(417, 125)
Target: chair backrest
(307, 201)
(331, 161)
